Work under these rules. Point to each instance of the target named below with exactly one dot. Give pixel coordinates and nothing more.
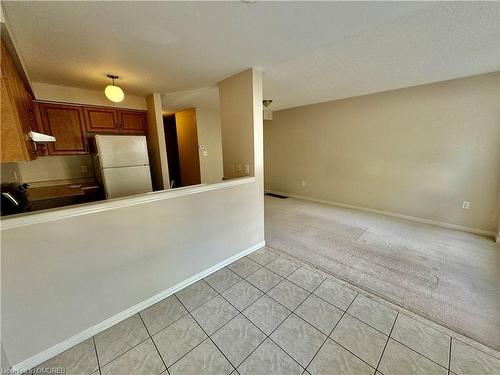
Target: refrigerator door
(123, 181)
(122, 150)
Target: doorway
(181, 140)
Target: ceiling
(309, 51)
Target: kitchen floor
(270, 314)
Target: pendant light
(114, 93)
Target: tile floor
(268, 314)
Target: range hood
(41, 138)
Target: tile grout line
(417, 352)
(291, 312)
(208, 337)
(387, 342)
(335, 326)
(125, 352)
(96, 355)
(368, 324)
(153, 341)
(449, 357)
(421, 319)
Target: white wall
(417, 151)
(45, 91)
(62, 277)
(209, 135)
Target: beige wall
(45, 91)
(156, 144)
(418, 151)
(209, 135)
(10, 173)
(53, 168)
(237, 141)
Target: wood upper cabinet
(113, 121)
(67, 124)
(17, 117)
(101, 120)
(132, 122)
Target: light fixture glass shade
(114, 93)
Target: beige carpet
(447, 276)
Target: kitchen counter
(62, 191)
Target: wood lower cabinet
(132, 122)
(101, 120)
(67, 124)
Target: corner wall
(417, 151)
(66, 271)
(237, 140)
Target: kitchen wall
(86, 267)
(209, 135)
(54, 168)
(10, 173)
(417, 151)
(48, 169)
(45, 91)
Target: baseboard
(393, 214)
(45, 355)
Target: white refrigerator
(121, 164)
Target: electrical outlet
(465, 205)
(205, 153)
(84, 169)
(303, 182)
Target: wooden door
(187, 141)
(132, 122)
(101, 120)
(67, 124)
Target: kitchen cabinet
(17, 116)
(133, 122)
(72, 124)
(67, 124)
(101, 120)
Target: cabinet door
(66, 123)
(101, 120)
(133, 122)
(15, 115)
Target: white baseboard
(392, 214)
(45, 355)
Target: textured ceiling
(309, 51)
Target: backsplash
(53, 168)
